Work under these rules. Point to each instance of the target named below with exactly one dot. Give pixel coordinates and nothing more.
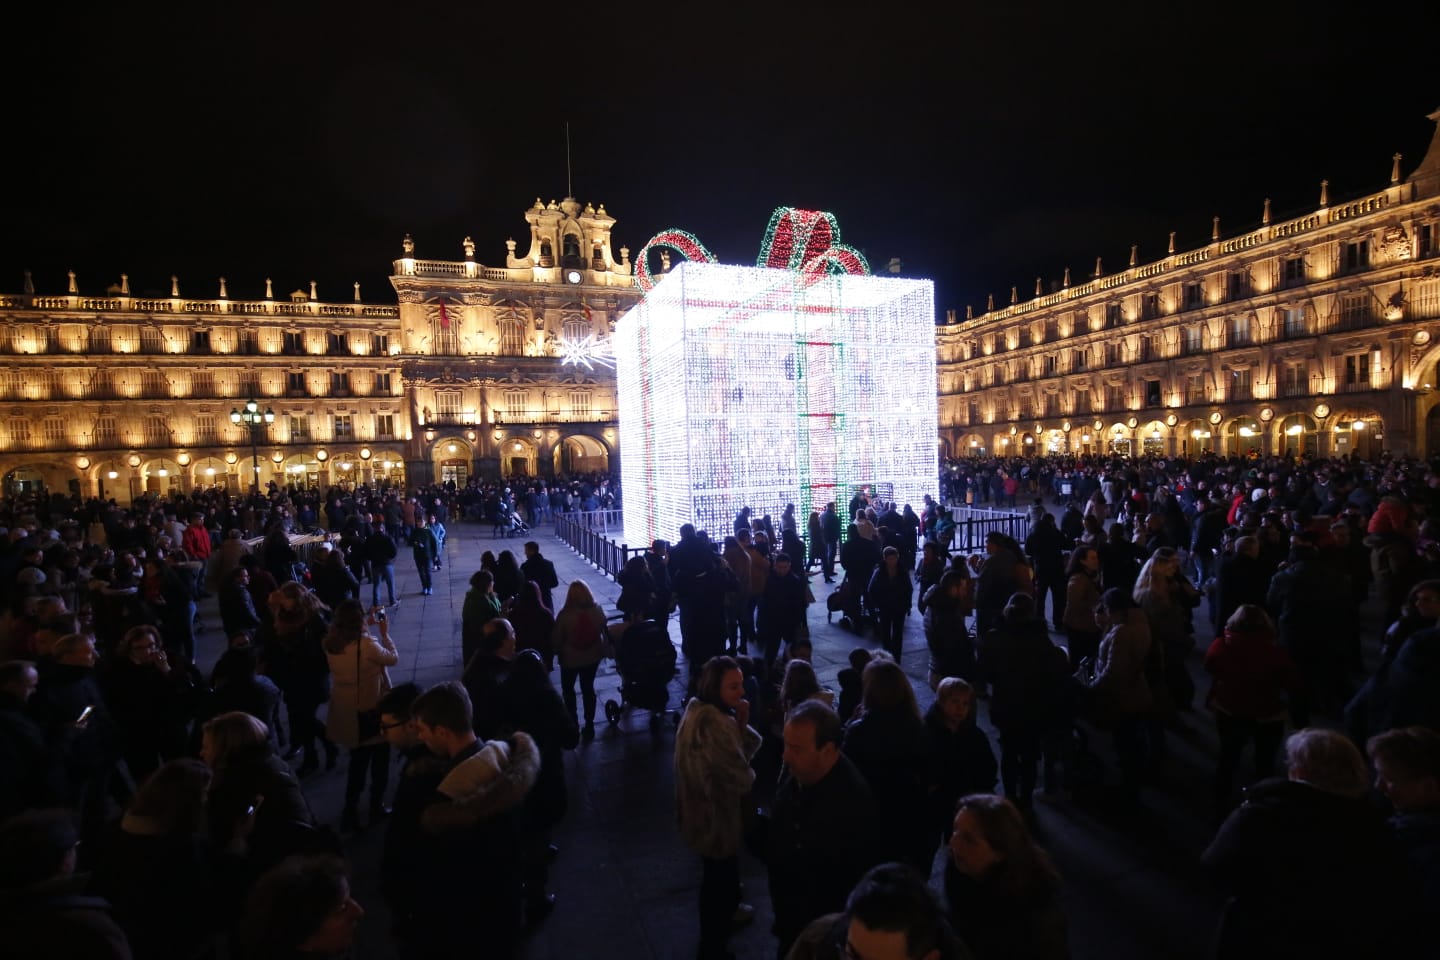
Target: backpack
(583, 639)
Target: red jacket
(196, 542)
(1251, 672)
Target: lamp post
(256, 421)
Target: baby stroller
(517, 526)
(645, 659)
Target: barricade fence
(585, 533)
(974, 524)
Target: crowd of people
(149, 810)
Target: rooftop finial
(468, 245)
(1265, 217)
(174, 285)
(269, 289)
(313, 295)
(124, 284)
(1324, 193)
(1215, 228)
(357, 291)
(1134, 254)
(1099, 270)
(223, 294)
(1014, 295)
(969, 312)
(29, 286)
(1171, 249)
(990, 303)
(1066, 282)
(407, 244)
(74, 287)
(1039, 288)
(1395, 169)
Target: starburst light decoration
(587, 352)
(762, 386)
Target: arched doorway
(1298, 435)
(451, 458)
(211, 472)
(580, 453)
(1152, 439)
(1432, 431)
(1243, 437)
(972, 445)
(1360, 434)
(1119, 442)
(25, 481)
(161, 476)
(1195, 438)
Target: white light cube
(747, 386)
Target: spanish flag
(444, 317)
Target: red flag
(586, 307)
(444, 317)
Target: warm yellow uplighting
(83, 463)
(1294, 430)
(1358, 425)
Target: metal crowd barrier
(585, 533)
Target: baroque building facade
(1318, 334)
(475, 371)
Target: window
(157, 431)
(580, 404)
(380, 345)
(1194, 339)
(19, 430)
(1293, 321)
(107, 432)
(515, 402)
(1426, 237)
(1114, 354)
(1295, 380)
(1146, 350)
(1080, 401)
(205, 428)
(1357, 369)
(151, 340)
(382, 384)
(100, 340)
(53, 428)
(339, 384)
(245, 344)
(1082, 358)
(1237, 284)
(447, 404)
(294, 343)
(153, 383)
(512, 335)
(1240, 331)
(1152, 393)
(299, 428)
(1293, 270)
(336, 344)
(1150, 306)
(1195, 389)
(1115, 397)
(295, 384)
(1050, 405)
(1355, 256)
(200, 341)
(1240, 384)
(1193, 295)
(1354, 310)
(973, 417)
(384, 425)
(1052, 365)
(344, 427)
(575, 330)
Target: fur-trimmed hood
(492, 781)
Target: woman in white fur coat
(713, 747)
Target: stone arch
(580, 453)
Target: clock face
(1322, 411)
(1216, 417)
(573, 276)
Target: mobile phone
(250, 810)
(85, 714)
(379, 614)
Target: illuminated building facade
(117, 395)
(1316, 334)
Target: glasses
(391, 726)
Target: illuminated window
(447, 403)
(53, 428)
(299, 428)
(294, 343)
(157, 431)
(382, 384)
(1194, 295)
(107, 431)
(575, 329)
(295, 384)
(1357, 369)
(1115, 397)
(1293, 321)
(344, 427)
(205, 431)
(580, 404)
(1240, 334)
(153, 383)
(384, 425)
(1293, 270)
(512, 335)
(19, 430)
(1194, 339)
(1195, 388)
(1240, 388)
(151, 340)
(515, 403)
(1295, 380)
(202, 384)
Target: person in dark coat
(1310, 865)
(149, 699)
(541, 572)
(782, 607)
(1002, 890)
(995, 583)
(30, 773)
(425, 548)
(238, 616)
(1045, 546)
(886, 743)
(820, 841)
(1239, 579)
(1404, 692)
(1407, 773)
(637, 600)
(1317, 623)
(858, 558)
(958, 759)
(534, 623)
(947, 604)
(333, 581)
(891, 595)
(45, 911)
(235, 684)
(380, 554)
(1028, 676)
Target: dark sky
(984, 147)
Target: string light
(754, 386)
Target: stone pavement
(628, 888)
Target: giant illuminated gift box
(751, 386)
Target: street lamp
(256, 421)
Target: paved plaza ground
(628, 888)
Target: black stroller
(645, 659)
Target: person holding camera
(359, 679)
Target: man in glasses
(890, 915)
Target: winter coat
(284, 823)
(1082, 592)
(1401, 693)
(712, 778)
(55, 919)
(1311, 606)
(1239, 579)
(957, 762)
(1120, 687)
(998, 923)
(479, 609)
(951, 652)
(1028, 675)
(1311, 874)
(889, 749)
(890, 596)
(358, 681)
(580, 636)
(1251, 675)
(782, 604)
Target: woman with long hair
(947, 605)
(579, 642)
(147, 697)
(248, 774)
(713, 748)
(358, 662)
(886, 741)
(508, 578)
(637, 599)
(1167, 598)
(890, 594)
(1082, 592)
(534, 623)
(482, 605)
(1002, 889)
(1120, 692)
(958, 755)
(291, 651)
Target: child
(849, 680)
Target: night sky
(982, 148)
